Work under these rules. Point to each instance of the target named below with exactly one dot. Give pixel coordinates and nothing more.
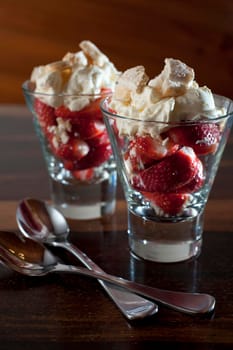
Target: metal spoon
(42, 222)
(29, 257)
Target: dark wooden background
(130, 32)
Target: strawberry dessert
(67, 94)
(64, 98)
(169, 125)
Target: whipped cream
(172, 96)
(85, 72)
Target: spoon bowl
(31, 258)
(37, 219)
(42, 222)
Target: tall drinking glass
(167, 195)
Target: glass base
(84, 200)
(165, 242)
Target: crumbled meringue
(85, 72)
(172, 96)
(60, 132)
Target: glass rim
(173, 123)
(26, 89)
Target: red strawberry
(136, 162)
(80, 148)
(196, 183)
(169, 174)
(74, 149)
(155, 148)
(94, 158)
(169, 203)
(88, 128)
(101, 139)
(144, 150)
(202, 137)
(68, 164)
(45, 114)
(63, 151)
(92, 110)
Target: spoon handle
(131, 305)
(191, 303)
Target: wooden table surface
(69, 311)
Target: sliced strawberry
(88, 128)
(136, 162)
(92, 111)
(68, 164)
(155, 148)
(64, 151)
(94, 158)
(45, 114)
(74, 149)
(197, 182)
(144, 150)
(101, 139)
(80, 148)
(169, 203)
(202, 137)
(169, 174)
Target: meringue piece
(153, 112)
(60, 132)
(132, 80)
(49, 72)
(85, 72)
(78, 59)
(49, 79)
(147, 97)
(93, 54)
(175, 79)
(172, 96)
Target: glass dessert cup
(167, 179)
(77, 152)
